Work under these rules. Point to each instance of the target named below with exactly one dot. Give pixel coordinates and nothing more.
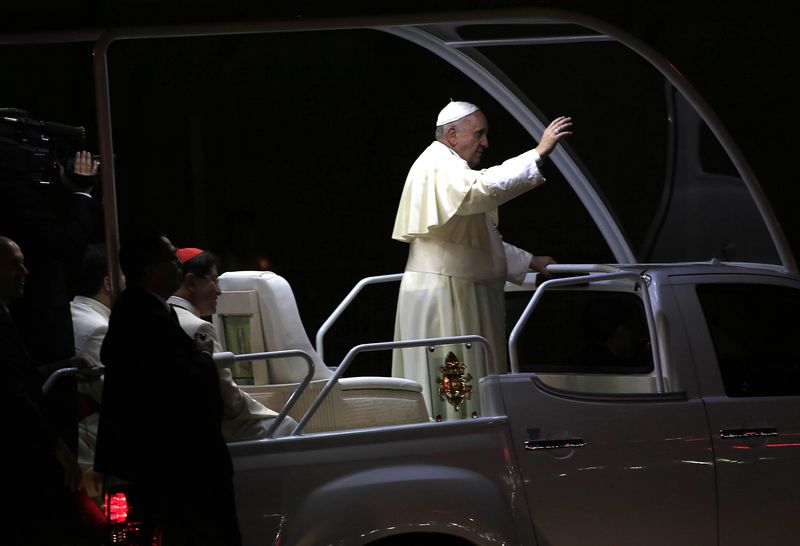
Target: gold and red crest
(454, 385)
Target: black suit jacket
(22, 400)
(36, 478)
(160, 420)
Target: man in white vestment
(458, 263)
(90, 310)
(243, 417)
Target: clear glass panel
(666, 179)
(582, 331)
(288, 152)
(271, 149)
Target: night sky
(292, 157)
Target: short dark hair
(200, 265)
(93, 270)
(138, 251)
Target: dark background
(243, 153)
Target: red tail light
(125, 526)
(117, 507)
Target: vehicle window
(754, 330)
(584, 332)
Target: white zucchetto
(455, 110)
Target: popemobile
(652, 400)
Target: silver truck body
(560, 458)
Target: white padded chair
(257, 312)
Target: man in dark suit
(160, 421)
(53, 223)
(41, 502)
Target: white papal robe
(457, 265)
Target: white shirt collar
(184, 304)
(94, 304)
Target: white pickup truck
(682, 428)
(644, 405)
(652, 400)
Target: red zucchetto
(186, 254)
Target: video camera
(36, 149)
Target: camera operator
(53, 216)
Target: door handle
(747, 432)
(536, 445)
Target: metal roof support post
(107, 175)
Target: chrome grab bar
(430, 342)
(226, 359)
(67, 372)
(337, 313)
(222, 359)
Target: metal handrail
(581, 268)
(346, 302)
(584, 279)
(223, 359)
(67, 372)
(430, 342)
(227, 358)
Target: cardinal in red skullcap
(186, 254)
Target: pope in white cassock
(457, 261)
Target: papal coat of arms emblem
(454, 385)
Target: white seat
(257, 312)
